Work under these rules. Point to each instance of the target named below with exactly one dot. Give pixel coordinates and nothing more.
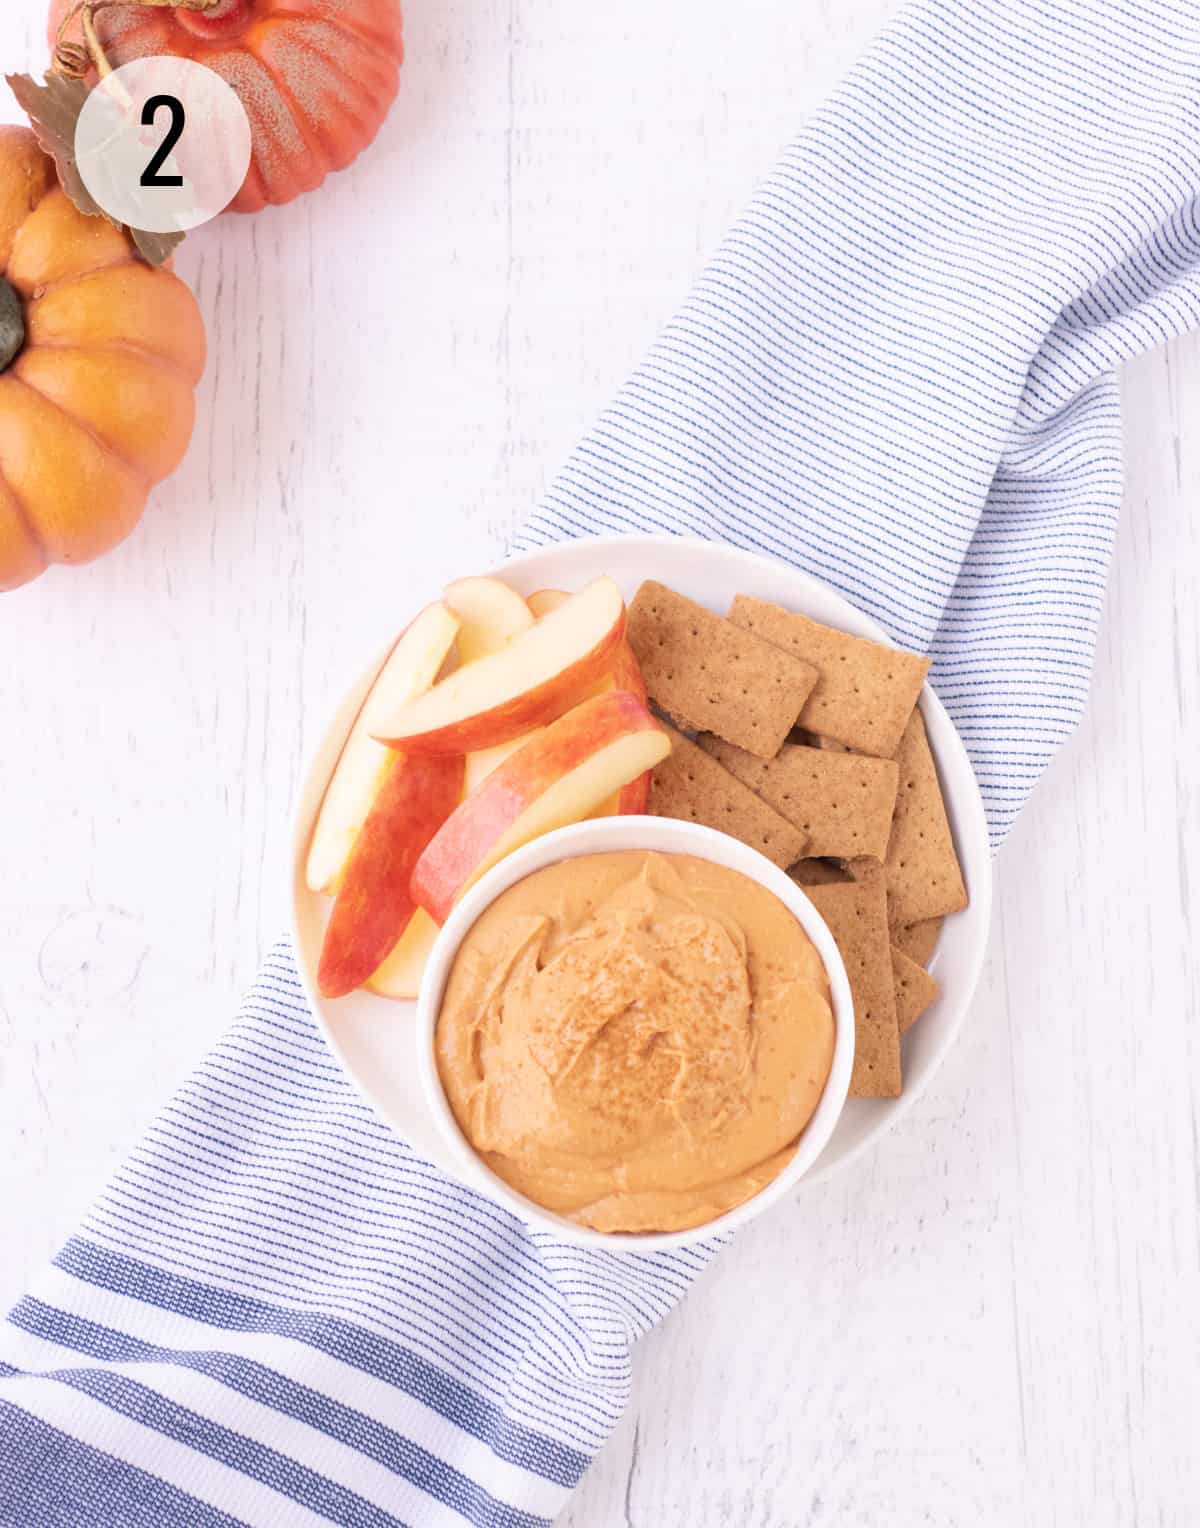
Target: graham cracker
(866, 869)
(692, 785)
(923, 875)
(857, 917)
(865, 692)
(818, 872)
(915, 989)
(918, 940)
(709, 675)
(815, 740)
(842, 802)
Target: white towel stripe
(349, 1386)
(228, 1490)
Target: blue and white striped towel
(896, 374)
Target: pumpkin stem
(12, 325)
(74, 59)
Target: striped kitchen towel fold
(897, 374)
(279, 1314)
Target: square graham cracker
(915, 989)
(924, 879)
(709, 675)
(857, 917)
(865, 692)
(692, 785)
(842, 802)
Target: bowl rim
(598, 836)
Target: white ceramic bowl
(668, 836)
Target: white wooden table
(995, 1319)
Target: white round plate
(375, 1038)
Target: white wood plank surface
(995, 1319)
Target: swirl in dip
(635, 1040)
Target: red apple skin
(373, 905)
(467, 837)
(634, 798)
(322, 871)
(534, 707)
(521, 714)
(625, 673)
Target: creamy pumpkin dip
(635, 1040)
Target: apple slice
(527, 683)
(491, 613)
(374, 905)
(559, 777)
(625, 673)
(632, 799)
(408, 671)
(542, 601)
(481, 763)
(400, 974)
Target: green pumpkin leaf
(53, 110)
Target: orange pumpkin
(99, 359)
(316, 76)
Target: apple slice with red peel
(559, 777)
(634, 798)
(400, 974)
(626, 674)
(491, 614)
(408, 671)
(374, 903)
(527, 683)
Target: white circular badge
(163, 144)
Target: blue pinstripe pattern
(897, 374)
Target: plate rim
(892, 1111)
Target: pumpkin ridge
(377, 63)
(44, 288)
(285, 22)
(284, 10)
(22, 509)
(328, 152)
(122, 347)
(139, 477)
(249, 45)
(28, 292)
(342, 24)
